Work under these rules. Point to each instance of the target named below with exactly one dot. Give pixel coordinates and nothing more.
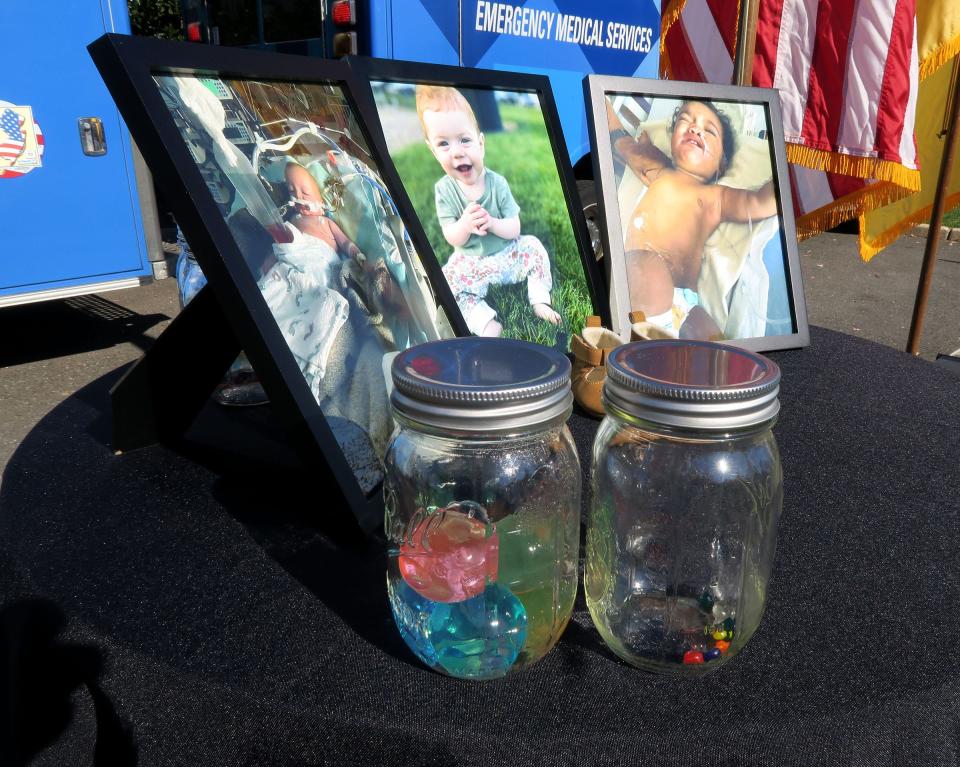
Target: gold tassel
(666, 71)
(939, 57)
(669, 17)
(848, 165)
(667, 20)
(851, 206)
(869, 247)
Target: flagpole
(746, 42)
(934, 234)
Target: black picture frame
(239, 313)
(371, 70)
(791, 329)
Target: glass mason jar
(687, 491)
(482, 504)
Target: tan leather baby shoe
(590, 350)
(641, 330)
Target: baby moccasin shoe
(642, 330)
(590, 350)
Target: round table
(186, 606)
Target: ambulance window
(237, 22)
(291, 20)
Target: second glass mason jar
(482, 504)
(687, 492)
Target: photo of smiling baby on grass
(479, 169)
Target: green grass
(403, 100)
(521, 154)
(952, 218)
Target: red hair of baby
(442, 98)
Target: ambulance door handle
(92, 140)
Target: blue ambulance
(564, 39)
(71, 219)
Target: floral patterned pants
(469, 277)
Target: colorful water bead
(721, 631)
(532, 551)
(411, 613)
(481, 637)
(706, 601)
(450, 554)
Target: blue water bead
(481, 637)
(411, 613)
(706, 601)
(712, 654)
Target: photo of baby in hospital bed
(289, 168)
(699, 217)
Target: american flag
(12, 139)
(846, 71)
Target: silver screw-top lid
(692, 384)
(481, 384)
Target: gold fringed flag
(938, 34)
(879, 228)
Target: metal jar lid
(481, 385)
(692, 384)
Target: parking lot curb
(947, 233)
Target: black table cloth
(189, 606)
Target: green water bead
(530, 553)
(548, 612)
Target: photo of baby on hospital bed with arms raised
(699, 221)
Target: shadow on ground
(53, 329)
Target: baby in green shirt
(479, 216)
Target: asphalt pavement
(53, 349)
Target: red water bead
(693, 656)
(425, 365)
(449, 556)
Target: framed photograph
(481, 157)
(693, 187)
(272, 177)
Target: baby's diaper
(683, 301)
